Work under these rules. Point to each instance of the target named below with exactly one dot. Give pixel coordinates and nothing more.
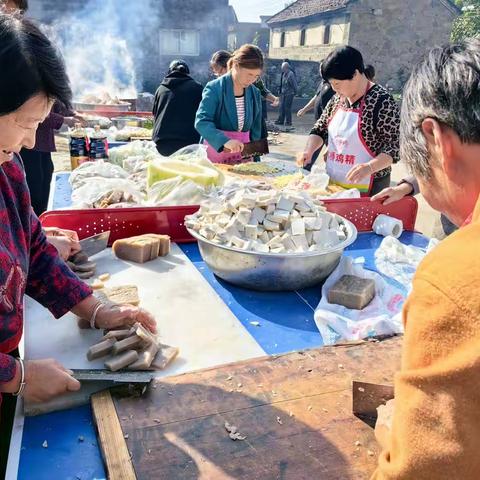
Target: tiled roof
(306, 8)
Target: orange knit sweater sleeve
(436, 425)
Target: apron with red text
(347, 148)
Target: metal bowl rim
(341, 246)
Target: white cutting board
(189, 314)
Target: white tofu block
(251, 232)
(285, 204)
(308, 214)
(298, 226)
(341, 235)
(252, 220)
(242, 219)
(259, 214)
(309, 236)
(237, 199)
(295, 197)
(264, 237)
(295, 214)
(300, 242)
(248, 201)
(313, 223)
(271, 225)
(280, 215)
(320, 237)
(288, 244)
(332, 238)
(208, 234)
(223, 219)
(279, 249)
(333, 224)
(270, 208)
(260, 247)
(302, 207)
(275, 241)
(237, 242)
(312, 248)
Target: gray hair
(444, 86)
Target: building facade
(391, 34)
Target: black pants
(39, 171)
(285, 116)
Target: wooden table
(294, 409)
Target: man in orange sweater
(436, 423)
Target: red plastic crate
(362, 212)
(127, 222)
(123, 222)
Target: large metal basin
(272, 271)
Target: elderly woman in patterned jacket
(360, 126)
(33, 77)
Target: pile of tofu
(268, 221)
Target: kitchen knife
(95, 244)
(86, 375)
(255, 149)
(367, 397)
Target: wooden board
(295, 411)
(112, 442)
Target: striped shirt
(240, 103)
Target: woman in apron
(230, 113)
(360, 126)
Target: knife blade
(255, 148)
(95, 243)
(366, 397)
(92, 375)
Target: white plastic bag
(399, 261)
(380, 317)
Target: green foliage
(467, 25)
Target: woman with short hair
(360, 126)
(33, 78)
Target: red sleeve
(50, 281)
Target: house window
(326, 35)
(303, 34)
(179, 42)
(282, 40)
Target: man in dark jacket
(288, 89)
(176, 103)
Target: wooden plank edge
(112, 442)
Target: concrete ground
(286, 145)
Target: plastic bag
(179, 190)
(399, 261)
(86, 195)
(175, 191)
(381, 317)
(145, 149)
(81, 175)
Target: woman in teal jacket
(230, 113)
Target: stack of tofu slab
(135, 349)
(268, 221)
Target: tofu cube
(269, 225)
(264, 237)
(288, 244)
(260, 247)
(285, 204)
(251, 232)
(259, 214)
(298, 226)
(300, 242)
(270, 208)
